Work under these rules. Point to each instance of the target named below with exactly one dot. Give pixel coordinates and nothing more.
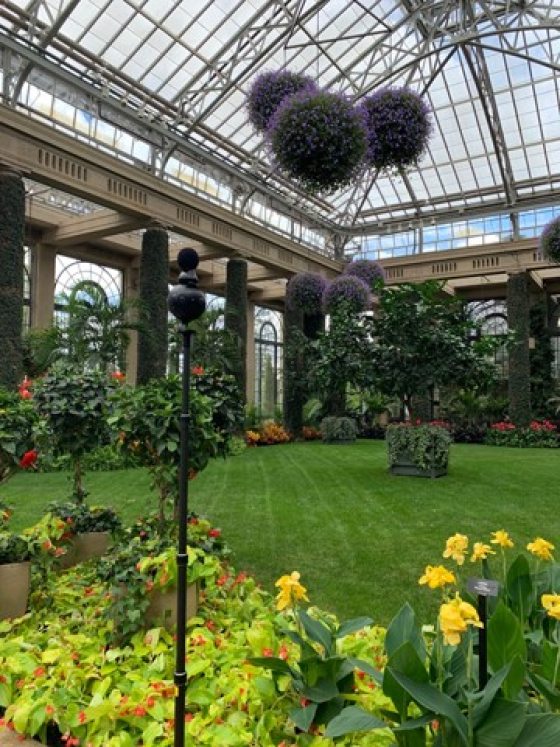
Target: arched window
(75, 277)
(492, 316)
(268, 361)
(26, 289)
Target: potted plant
(338, 430)
(91, 528)
(15, 574)
(418, 450)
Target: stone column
(43, 279)
(250, 362)
(131, 286)
(519, 379)
(12, 228)
(235, 316)
(154, 281)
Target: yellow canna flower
(501, 538)
(436, 576)
(551, 603)
(541, 548)
(481, 551)
(454, 619)
(291, 591)
(456, 548)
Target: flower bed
(269, 433)
(539, 434)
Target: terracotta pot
(85, 546)
(163, 605)
(15, 580)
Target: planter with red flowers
(15, 574)
(90, 528)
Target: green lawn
(359, 537)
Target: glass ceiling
(164, 82)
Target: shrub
(539, 434)
(273, 433)
(319, 139)
(267, 92)
(81, 518)
(17, 420)
(367, 270)
(348, 293)
(309, 433)
(398, 128)
(13, 548)
(427, 445)
(338, 430)
(227, 405)
(550, 240)
(305, 292)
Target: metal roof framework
(164, 85)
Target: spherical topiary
(365, 269)
(268, 91)
(550, 240)
(318, 138)
(399, 127)
(346, 292)
(305, 291)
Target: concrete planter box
(163, 605)
(84, 547)
(404, 466)
(15, 581)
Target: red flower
(82, 718)
(28, 459)
(118, 375)
(268, 652)
(25, 394)
(39, 672)
(140, 711)
(197, 370)
(214, 533)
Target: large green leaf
(545, 688)
(317, 631)
(489, 693)
(351, 626)
(352, 719)
(274, 664)
(405, 660)
(540, 730)
(502, 725)
(506, 644)
(405, 627)
(303, 717)
(519, 587)
(367, 668)
(321, 691)
(429, 697)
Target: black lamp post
(186, 303)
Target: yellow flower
(541, 548)
(291, 591)
(501, 538)
(481, 551)
(455, 617)
(551, 603)
(436, 576)
(456, 548)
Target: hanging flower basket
(318, 139)
(399, 128)
(347, 293)
(268, 91)
(305, 291)
(550, 240)
(365, 269)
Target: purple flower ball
(550, 240)
(319, 139)
(399, 127)
(267, 92)
(365, 269)
(346, 292)
(305, 291)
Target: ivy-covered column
(235, 316)
(293, 370)
(154, 281)
(250, 364)
(12, 227)
(519, 382)
(313, 325)
(541, 354)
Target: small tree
(423, 338)
(17, 420)
(73, 406)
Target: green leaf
(405, 627)
(489, 693)
(546, 689)
(405, 660)
(367, 668)
(353, 719)
(506, 644)
(502, 725)
(303, 717)
(519, 587)
(415, 723)
(351, 626)
(429, 697)
(540, 730)
(317, 631)
(272, 663)
(321, 691)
